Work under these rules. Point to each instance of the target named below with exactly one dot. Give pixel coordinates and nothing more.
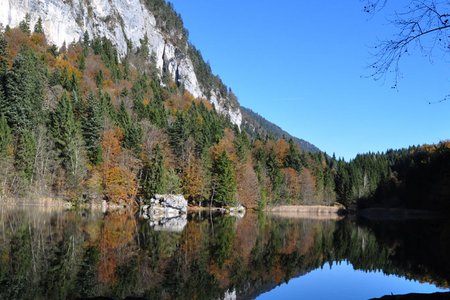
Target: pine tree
(224, 185)
(153, 175)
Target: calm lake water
(48, 254)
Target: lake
(53, 254)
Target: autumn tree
(193, 180)
(118, 182)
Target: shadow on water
(71, 254)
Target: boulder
(166, 212)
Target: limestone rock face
(120, 21)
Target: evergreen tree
(99, 78)
(275, 174)
(132, 131)
(153, 175)
(224, 185)
(143, 50)
(241, 144)
(293, 159)
(22, 103)
(91, 126)
(25, 154)
(179, 134)
(3, 58)
(65, 133)
(38, 26)
(5, 137)
(24, 25)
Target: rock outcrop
(124, 22)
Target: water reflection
(68, 255)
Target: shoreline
(316, 212)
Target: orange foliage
(292, 182)
(93, 64)
(281, 149)
(118, 182)
(107, 268)
(17, 39)
(225, 144)
(193, 184)
(38, 39)
(247, 185)
(111, 144)
(117, 232)
(62, 64)
(308, 186)
(191, 242)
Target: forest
(80, 123)
(417, 177)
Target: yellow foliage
(119, 184)
(62, 64)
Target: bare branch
(423, 25)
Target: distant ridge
(255, 124)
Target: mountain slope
(255, 124)
(129, 25)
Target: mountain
(255, 124)
(106, 100)
(129, 24)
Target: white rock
(118, 20)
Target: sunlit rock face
(118, 20)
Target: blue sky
(303, 65)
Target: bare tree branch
(423, 25)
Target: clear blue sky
(303, 65)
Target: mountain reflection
(68, 255)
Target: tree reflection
(49, 254)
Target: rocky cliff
(125, 23)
